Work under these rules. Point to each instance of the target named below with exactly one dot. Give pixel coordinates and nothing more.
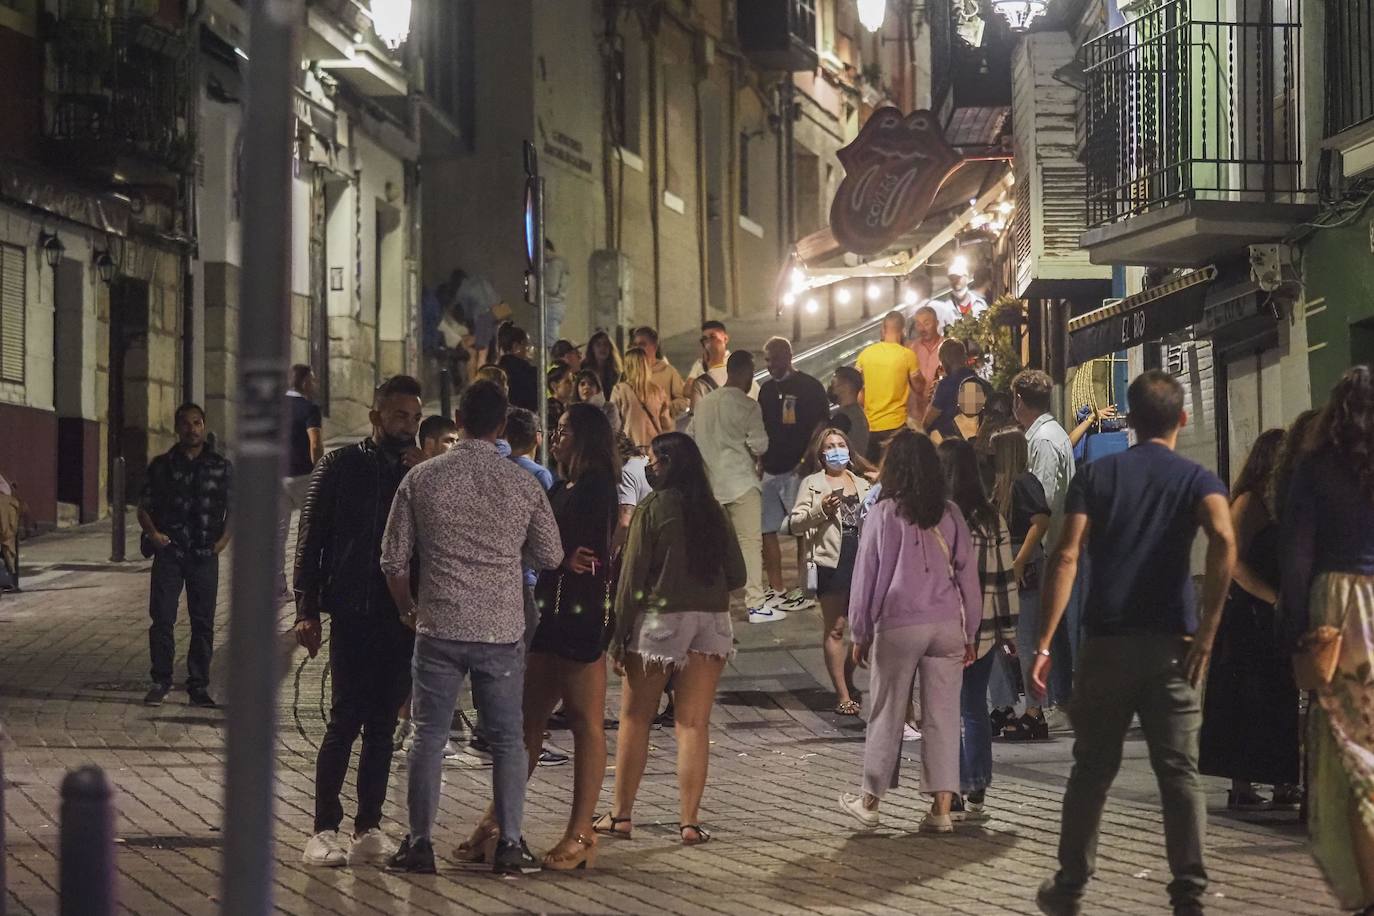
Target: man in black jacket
(338, 572)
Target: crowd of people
(945, 525)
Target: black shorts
(836, 581)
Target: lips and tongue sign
(893, 170)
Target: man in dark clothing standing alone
(338, 572)
(184, 512)
(794, 406)
(305, 447)
(1144, 651)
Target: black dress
(1250, 712)
(576, 615)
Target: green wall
(1338, 267)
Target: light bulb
(789, 299)
(842, 296)
(874, 292)
(812, 306)
(958, 267)
(910, 297)
(872, 13)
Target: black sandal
(600, 827)
(702, 835)
(1027, 728)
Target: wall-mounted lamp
(53, 249)
(105, 267)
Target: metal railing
(1181, 105)
(120, 86)
(1349, 64)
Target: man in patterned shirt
(184, 512)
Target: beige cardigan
(808, 519)
(642, 420)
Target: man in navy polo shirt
(1144, 650)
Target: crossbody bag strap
(953, 579)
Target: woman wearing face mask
(588, 391)
(680, 564)
(826, 514)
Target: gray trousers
(1118, 677)
(935, 651)
(498, 690)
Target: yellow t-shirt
(887, 369)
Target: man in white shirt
(962, 301)
(710, 372)
(728, 428)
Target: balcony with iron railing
(118, 94)
(1348, 121)
(1193, 133)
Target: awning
(1143, 317)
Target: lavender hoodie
(901, 576)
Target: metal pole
(446, 393)
(118, 512)
(543, 326)
(251, 719)
(86, 866)
(3, 895)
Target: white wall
(377, 168)
(220, 227)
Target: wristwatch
(1044, 652)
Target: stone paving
(72, 671)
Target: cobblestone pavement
(72, 671)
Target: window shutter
(12, 313)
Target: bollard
(86, 867)
(117, 511)
(446, 393)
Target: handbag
(953, 579)
(1319, 652)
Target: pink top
(901, 576)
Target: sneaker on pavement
(372, 848)
(551, 758)
(416, 858)
(515, 859)
(1054, 900)
(796, 600)
(937, 823)
(156, 694)
(766, 614)
(480, 747)
(853, 805)
(910, 734)
(325, 850)
(773, 597)
(201, 699)
(404, 729)
(967, 811)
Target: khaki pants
(9, 531)
(746, 514)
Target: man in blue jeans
(1144, 650)
(470, 616)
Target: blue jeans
(975, 745)
(1002, 690)
(498, 689)
(1068, 639)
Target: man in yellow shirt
(891, 374)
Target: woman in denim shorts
(680, 564)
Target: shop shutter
(12, 289)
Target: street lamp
(391, 21)
(104, 267)
(1020, 13)
(872, 13)
(53, 249)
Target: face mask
(836, 458)
(652, 475)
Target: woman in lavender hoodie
(915, 574)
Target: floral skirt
(1341, 734)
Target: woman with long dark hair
(680, 564)
(588, 391)
(604, 359)
(826, 517)
(914, 609)
(576, 619)
(1327, 581)
(997, 626)
(1250, 711)
(514, 345)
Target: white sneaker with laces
(910, 734)
(372, 848)
(325, 850)
(796, 600)
(937, 823)
(853, 805)
(773, 597)
(766, 614)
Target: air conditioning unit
(611, 288)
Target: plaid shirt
(995, 560)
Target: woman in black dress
(1250, 711)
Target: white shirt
(718, 375)
(1051, 461)
(634, 485)
(951, 306)
(728, 428)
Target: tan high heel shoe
(481, 846)
(572, 853)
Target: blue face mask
(836, 458)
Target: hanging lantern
(1020, 13)
(391, 21)
(872, 13)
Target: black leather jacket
(339, 542)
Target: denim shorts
(779, 495)
(666, 639)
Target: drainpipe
(190, 252)
(655, 183)
(703, 203)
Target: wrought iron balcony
(1185, 106)
(1349, 64)
(118, 89)
(779, 34)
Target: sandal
(847, 708)
(702, 835)
(571, 854)
(608, 825)
(480, 847)
(1027, 728)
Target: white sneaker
(853, 805)
(766, 614)
(405, 730)
(372, 848)
(325, 850)
(937, 823)
(910, 734)
(773, 598)
(796, 600)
